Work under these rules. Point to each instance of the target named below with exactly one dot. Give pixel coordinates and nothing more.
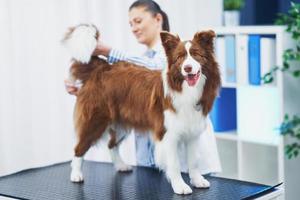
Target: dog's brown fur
(129, 95)
(133, 96)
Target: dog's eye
(195, 53)
(179, 57)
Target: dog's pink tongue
(192, 80)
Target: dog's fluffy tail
(81, 42)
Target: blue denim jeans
(144, 150)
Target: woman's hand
(101, 49)
(71, 87)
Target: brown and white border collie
(172, 103)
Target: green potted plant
(290, 127)
(232, 12)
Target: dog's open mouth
(192, 78)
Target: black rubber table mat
(103, 182)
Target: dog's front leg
(168, 148)
(197, 180)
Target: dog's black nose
(187, 68)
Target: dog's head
(187, 59)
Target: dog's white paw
(200, 182)
(122, 167)
(76, 176)
(180, 187)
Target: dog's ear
(169, 41)
(205, 39)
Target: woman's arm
(157, 62)
(114, 55)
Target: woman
(147, 20)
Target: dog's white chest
(186, 120)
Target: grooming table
(103, 182)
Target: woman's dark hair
(155, 9)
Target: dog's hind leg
(88, 133)
(115, 139)
(76, 173)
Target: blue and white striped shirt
(153, 58)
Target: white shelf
(227, 135)
(228, 151)
(234, 85)
(232, 135)
(263, 159)
(229, 85)
(275, 142)
(262, 30)
(255, 151)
